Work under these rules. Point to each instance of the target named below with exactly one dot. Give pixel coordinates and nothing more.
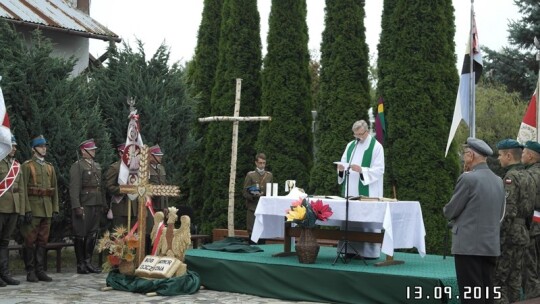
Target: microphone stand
(343, 249)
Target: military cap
(38, 141)
(120, 147)
(13, 140)
(509, 144)
(156, 150)
(88, 144)
(479, 146)
(533, 145)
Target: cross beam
(234, 149)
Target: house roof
(55, 15)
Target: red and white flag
(129, 167)
(5, 132)
(527, 130)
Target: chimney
(84, 6)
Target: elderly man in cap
(157, 176)
(41, 185)
(119, 201)
(516, 222)
(475, 211)
(13, 199)
(87, 204)
(531, 265)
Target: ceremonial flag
(129, 167)
(461, 109)
(5, 132)
(527, 130)
(380, 122)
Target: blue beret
(533, 145)
(509, 144)
(13, 140)
(479, 146)
(38, 141)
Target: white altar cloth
(402, 221)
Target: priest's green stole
(366, 163)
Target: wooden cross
(144, 190)
(235, 119)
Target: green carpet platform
(431, 279)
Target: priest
(364, 176)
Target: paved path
(69, 287)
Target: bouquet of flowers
(121, 246)
(305, 213)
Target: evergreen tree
(42, 98)
(418, 82)
(239, 57)
(344, 89)
(201, 73)
(287, 138)
(516, 67)
(166, 111)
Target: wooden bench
(56, 246)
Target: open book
(160, 267)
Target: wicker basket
(127, 268)
(307, 247)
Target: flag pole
(472, 103)
(537, 44)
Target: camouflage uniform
(41, 185)
(531, 268)
(253, 178)
(514, 232)
(12, 205)
(119, 202)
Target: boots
(29, 260)
(89, 243)
(79, 254)
(4, 268)
(40, 264)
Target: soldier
(41, 184)
(531, 280)
(254, 188)
(119, 202)
(13, 199)
(516, 223)
(87, 204)
(157, 176)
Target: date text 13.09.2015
(445, 292)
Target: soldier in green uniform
(87, 203)
(516, 222)
(41, 185)
(119, 201)
(255, 187)
(531, 273)
(13, 199)
(157, 176)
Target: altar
(401, 221)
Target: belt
(35, 191)
(519, 221)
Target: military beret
(479, 146)
(533, 145)
(38, 141)
(88, 144)
(508, 144)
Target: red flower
(322, 211)
(113, 260)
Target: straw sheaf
(164, 190)
(143, 164)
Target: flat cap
(533, 145)
(88, 144)
(156, 150)
(13, 140)
(38, 141)
(509, 144)
(120, 147)
(479, 146)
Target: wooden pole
(234, 152)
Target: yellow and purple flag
(380, 122)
